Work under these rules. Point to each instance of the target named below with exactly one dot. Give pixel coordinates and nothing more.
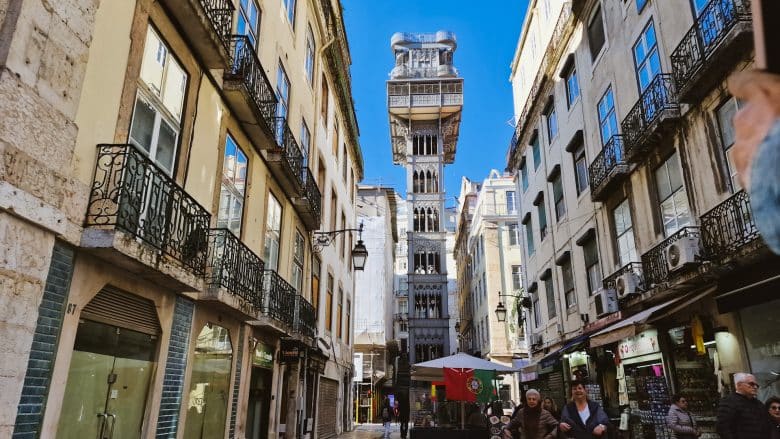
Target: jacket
(740, 417)
(547, 425)
(765, 189)
(681, 422)
(580, 430)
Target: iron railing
(246, 69)
(288, 147)
(134, 195)
(220, 15)
(305, 317)
(728, 227)
(233, 266)
(610, 160)
(278, 298)
(710, 28)
(312, 193)
(654, 264)
(632, 267)
(659, 96)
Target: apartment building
(645, 271)
(170, 171)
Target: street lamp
(359, 252)
(500, 310)
(525, 302)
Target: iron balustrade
(659, 96)
(289, 149)
(632, 267)
(728, 227)
(134, 195)
(278, 298)
(611, 159)
(312, 193)
(245, 68)
(220, 15)
(233, 266)
(305, 317)
(709, 29)
(654, 265)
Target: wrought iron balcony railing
(246, 69)
(728, 227)
(292, 157)
(132, 194)
(709, 30)
(632, 267)
(657, 100)
(654, 264)
(278, 298)
(608, 167)
(233, 266)
(305, 317)
(220, 15)
(311, 192)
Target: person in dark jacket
(550, 405)
(740, 414)
(582, 418)
(773, 407)
(403, 413)
(680, 419)
(532, 421)
(387, 416)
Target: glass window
(537, 152)
(552, 123)
(529, 237)
(273, 233)
(329, 304)
(624, 234)
(596, 37)
(560, 205)
(607, 118)
(542, 219)
(568, 284)
(339, 314)
(572, 86)
(581, 169)
(514, 234)
(726, 114)
(282, 92)
(646, 59)
(592, 266)
(298, 256)
(349, 321)
(315, 283)
(305, 141)
(675, 212)
(640, 4)
(343, 239)
(232, 188)
(517, 277)
(324, 96)
(248, 22)
(308, 63)
(289, 6)
(511, 202)
(537, 311)
(550, 293)
(344, 166)
(524, 176)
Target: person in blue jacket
(582, 418)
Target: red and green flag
(471, 385)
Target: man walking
(740, 414)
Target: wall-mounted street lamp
(525, 302)
(359, 253)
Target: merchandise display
(648, 395)
(696, 380)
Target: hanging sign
(264, 356)
(289, 353)
(641, 344)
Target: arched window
(428, 182)
(435, 182)
(435, 220)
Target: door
(327, 408)
(259, 404)
(108, 383)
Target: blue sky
(487, 36)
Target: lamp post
(525, 302)
(359, 252)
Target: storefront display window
(759, 326)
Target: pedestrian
(403, 413)
(582, 418)
(740, 414)
(532, 421)
(387, 416)
(550, 405)
(773, 407)
(756, 148)
(679, 419)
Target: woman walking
(583, 418)
(680, 419)
(532, 421)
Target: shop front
(260, 391)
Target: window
(283, 96)
(646, 59)
(305, 141)
(514, 234)
(537, 152)
(308, 62)
(552, 122)
(329, 303)
(315, 283)
(511, 202)
(157, 114)
(517, 277)
(273, 233)
(572, 86)
(536, 310)
(640, 5)
(349, 321)
(524, 175)
(591, 253)
(550, 293)
(343, 239)
(344, 166)
(529, 236)
(675, 213)
(568, 285)
(298, 257)
(248, 20)
(289, 6)
(560, 205)
(542, 218)
(624, 233)
(336, 137)
(698, 6)
(339, 313)
(324, 96)
(725, 117)
(580, 169)
(607, 118)
(334, 201)
(596, 37)
(233, 187)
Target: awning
(550, 359)
(628, 326)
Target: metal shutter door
(326, 408)
(117, 308)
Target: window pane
(551, 308)
(166, 145)
(596, 37)
(662, 181)
(675, 176)
(173, 91)
(536, 152)
(142, 127)
(153, 61)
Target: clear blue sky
(487, 36)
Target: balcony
(234, 275)
(728, 228)
(718, 39)
(401, 316)
(309, 204)
(647, 122)
(655, 264)
(305, 317)
(278, 304)
(249, 93)
(628, 288)
(608, 169)
(135, 206)
(206, 24)
(407, 98)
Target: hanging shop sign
(264, 356)
(290, 353)
(641, 344)
(602, 322)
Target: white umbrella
(434, 370)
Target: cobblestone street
(370, 431)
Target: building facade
(641, 258)
(161, 192)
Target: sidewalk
(371, 431)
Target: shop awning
(550, 359)
(628, 326)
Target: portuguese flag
(471, 385)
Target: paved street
(370, 431)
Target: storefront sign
(603, 322)
(264, 356)
(641, 344)
(289, 353)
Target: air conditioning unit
(627, 284)
(606, 301)
(682, 252)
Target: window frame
(567, 280)
(597, 15)
(592, 264)
(580, 157)
(234, 193)
(310, 55)
(297, 274)
(570, 77)
(672, 196)
(272, 259)
(641, 65)
(631, 253)
(289, 7)
(549, 294)
(558, 198)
